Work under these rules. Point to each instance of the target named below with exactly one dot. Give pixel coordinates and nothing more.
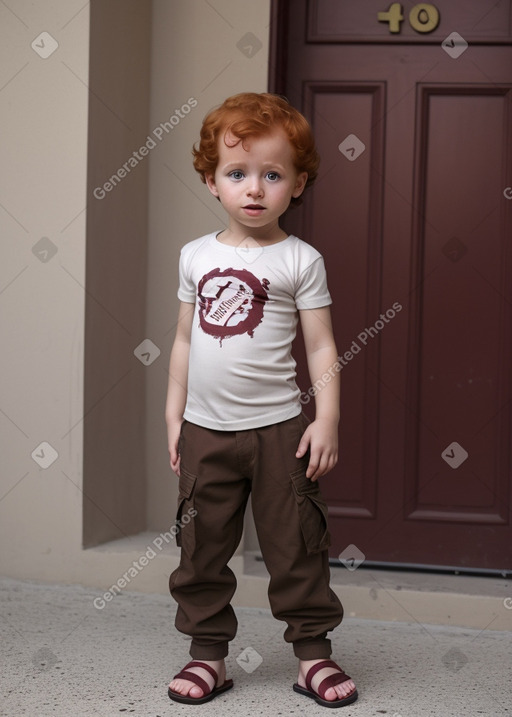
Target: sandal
(331, 681)
(208, 695)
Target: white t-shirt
(241, 370)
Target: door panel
(410, 214)
(354, 209)
(460, 370)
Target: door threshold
(419, 568)
(437, 569)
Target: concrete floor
(62, 656)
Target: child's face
(255, 184)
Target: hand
(173, 434)
(322, 437)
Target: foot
(185, 688)
(338, 692)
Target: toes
(196, 692)
(331, 694)
(340, 691)
(186, 688)
(345, 688)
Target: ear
(210, 183)
(300, 183)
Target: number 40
(423, 17)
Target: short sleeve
(187, 290)
(312, 291)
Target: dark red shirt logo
(231, 302)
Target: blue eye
(273, 176)
(236, 174)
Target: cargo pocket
(312, 512)
(185, 536)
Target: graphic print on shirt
(231, 302)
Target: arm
(178, 378)
(322, 434)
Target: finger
(322, 466)
(312, 467)
(315, 475)
(303, 446)
(175, 460)
(326, 463)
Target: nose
(255, 188)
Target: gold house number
(423, 17)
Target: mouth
(253, 210)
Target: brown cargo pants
(219, 469)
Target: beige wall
(43, 160)
(44, 106)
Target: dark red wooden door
(412, 212)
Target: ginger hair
(252, 114)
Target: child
(235, 424)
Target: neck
(236, 233)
